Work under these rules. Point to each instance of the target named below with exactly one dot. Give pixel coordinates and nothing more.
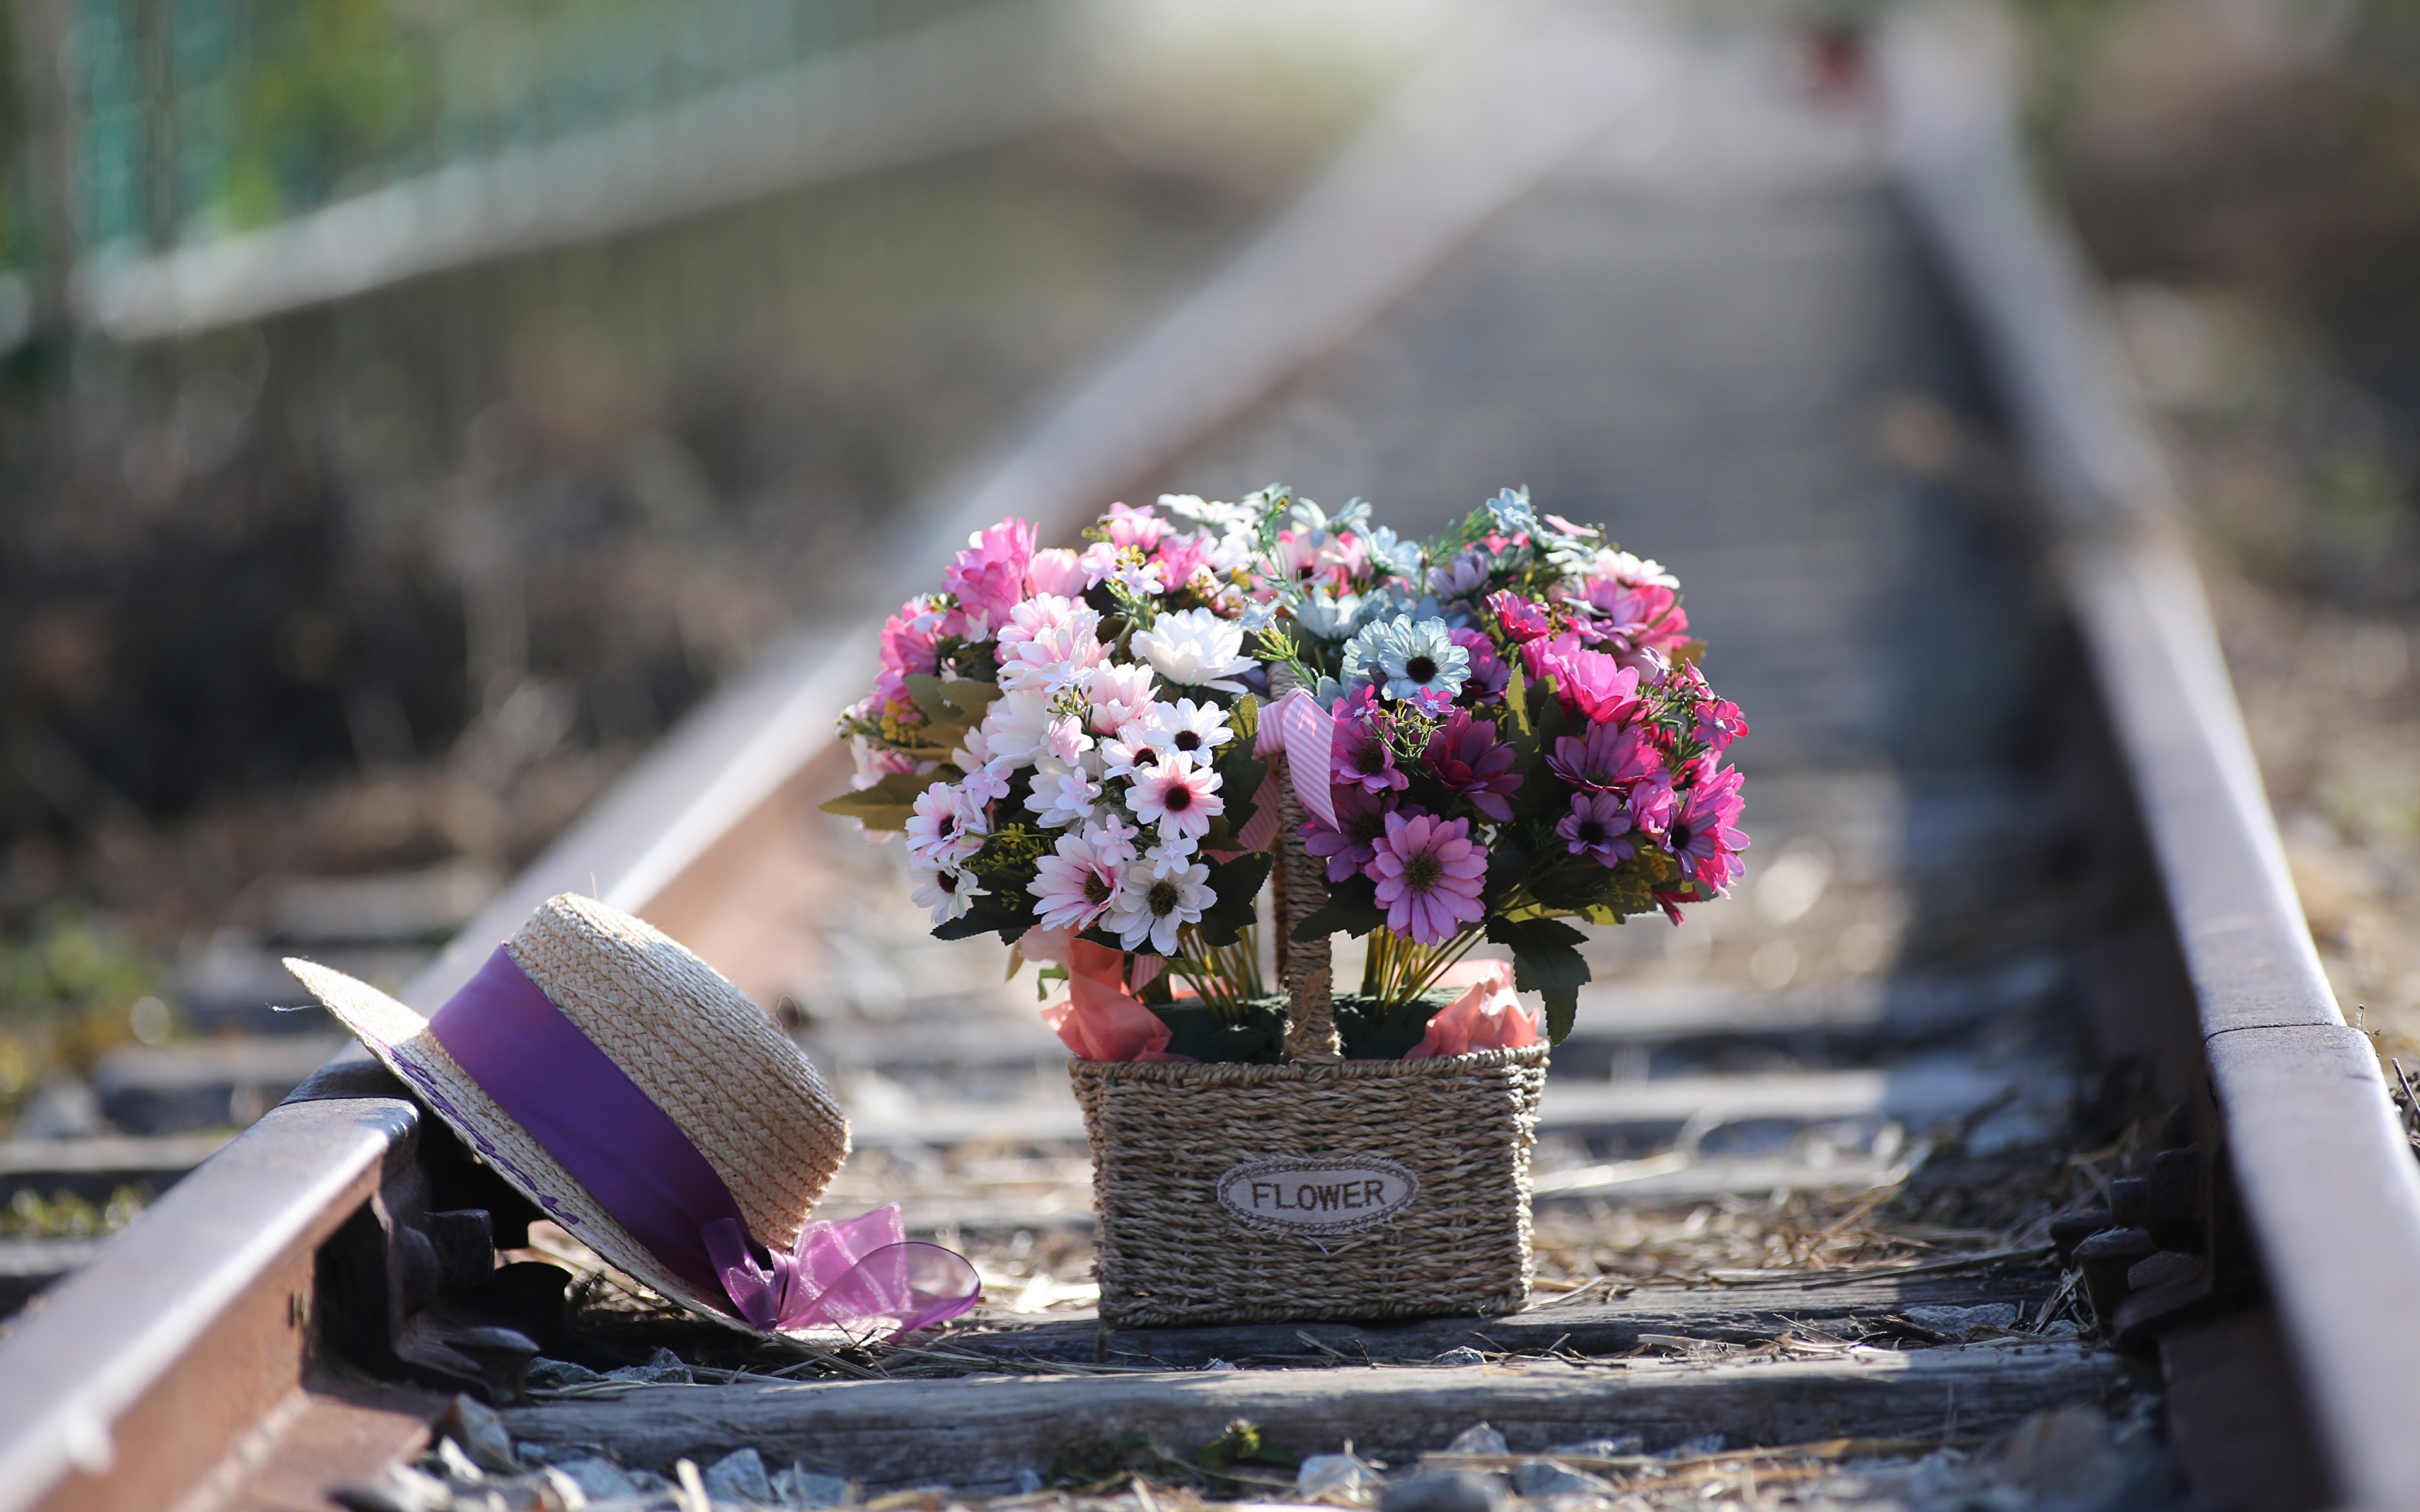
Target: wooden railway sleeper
(410, 1285)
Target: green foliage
(1352, 906)
(1238, 883)
(887, 805)
(1545, 959)
(68, 989)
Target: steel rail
(129, 1382)
(2325, 1177)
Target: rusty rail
(2325, 1178)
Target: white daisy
(943, 828)
(1150, 910)
(1195, 728)
(1137, 747)
(948, 892)
(1195, 648)
(1177, 796)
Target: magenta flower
(1523, 619)
(1705, 835)
(1351, 847)
(1488, 675)
(1429, 877)
(1653, 799)
(1642, 616)
(1464, 755)
(989, 577)
(1720, 722)
(1361, 758)
(1607, 757)
(1598, 826)
(1589, 682)
(1178, 558)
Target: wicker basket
(1371, 1189)
(1325, 1188)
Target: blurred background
(410, 408)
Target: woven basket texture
(1165, 1135)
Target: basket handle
(1301, 890)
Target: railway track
(2018, 941)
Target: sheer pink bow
(1100, 1018)
(854, 1273)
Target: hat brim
(401, 1039)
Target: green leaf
(962, 701)
(1238, 883)
(1246, 718)
(1545, 959)
(887, 805)
(990, 912)
(1516, 698)
(1239, 784)
(1352, 906)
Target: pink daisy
(1178, 796)
(1429, 877)
(1705, 835)
(1074, 886)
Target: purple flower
(1460, 577)
(1361, 757)
(1488, 675)
(1464, 756)
(1598, 826)
(1351, 847)
(1606, 756)
(1429, 877)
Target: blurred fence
(162, 145)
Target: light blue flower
(1330, 619)
(1512, 512)
(1352, 519)
(1391, 553)
(1407, 657)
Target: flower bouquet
(1095, 753)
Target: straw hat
(699, 1049)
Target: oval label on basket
(1288, 1194)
